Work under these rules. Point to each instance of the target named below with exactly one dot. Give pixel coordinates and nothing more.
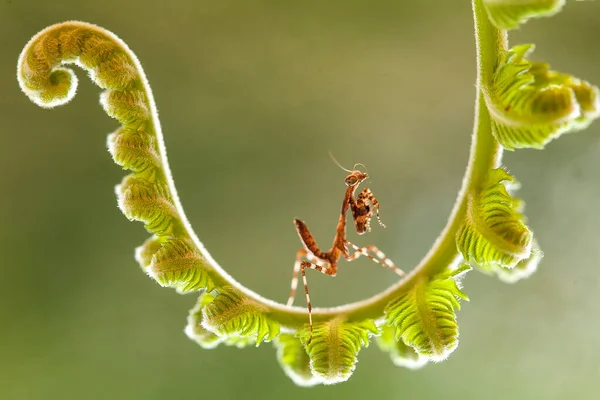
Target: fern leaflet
(493, 231)
(530, 105)
(233, 314)
(424, 316)
(334, 347)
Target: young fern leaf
(294, 361)
(232, 314)
(144, 195)
(334, 347)
(530, 104)
(424, 317)
(149, 202)
(493, 231)
(207, 339)
(178, 264)
(136, 151)
(401, 354)
(509, 14)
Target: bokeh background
(252, 95)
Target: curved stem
(74, 42)
(485, 154)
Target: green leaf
(493, 231)
(401, 354)
(524, 269)
(176, 263)
(149, 202)
(129, 106)
(509, 14)
(294, 361)
(205, 338)
(530, 104)
(135, 150)
(334, 347)
(424, 317)
(233, 315)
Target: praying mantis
(326, 261)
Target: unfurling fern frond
(136, 150)
(232, 314)
(334, 347)
(509, 14)
(294, 361)
(129, 107)
(493, 231)
(530, 104)
(149, 202)
(520, 104)
(178, 264)
(424, 316)
(401, 354)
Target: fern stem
(41, 59)
(485, 154)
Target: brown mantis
(326, 262)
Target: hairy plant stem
(485, 154)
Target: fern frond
(148, 202)
(509, 14)
(334, 347)
(232, 315)
(493, 231)
(178, 264)
(135, 150)
(424, 317)
(294, 361)
(48, 84)
(207, 339)
(401, 354)
(129, 107)
(530, 104)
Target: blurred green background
(252, 95)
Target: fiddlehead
(414, 320)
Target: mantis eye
(351, 180)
